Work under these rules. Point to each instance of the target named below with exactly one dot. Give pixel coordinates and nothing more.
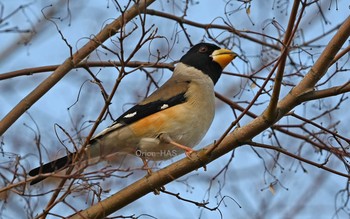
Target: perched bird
(170, 121)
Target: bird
(169, 122)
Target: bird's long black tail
(59, 164)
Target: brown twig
(288, 38)
(230, 29)
(281, 150)
(48, 68)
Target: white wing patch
(130, 115)
(107, 130)
(164, 106)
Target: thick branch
(320, 94)
(317, 71)
(70, 63)
(233, 140)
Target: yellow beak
(223, 57)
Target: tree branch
(182, 21)
(333, 91)
(312, 163)
(288, 38)
(42, 69)
(317, 71)
(70, 63)
(236, 138)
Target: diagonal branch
(317, 71)
(70, 63)
(238, 137)
(288, 38)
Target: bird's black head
(209, 59)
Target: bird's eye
(203, 49)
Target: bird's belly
(188, 131)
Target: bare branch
(69, 64)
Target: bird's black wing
(138, 112)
